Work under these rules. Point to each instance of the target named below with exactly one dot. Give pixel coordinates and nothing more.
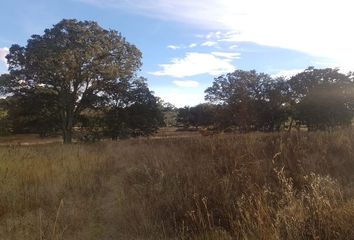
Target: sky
(187, 43)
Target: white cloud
(192, 45)
(3, 62)
(232, 47)
(227, 55)
(180, 97)
(209, 44)
(195, 64)
(214, 35)
(186, 83)
(173, 47)
(317, 27)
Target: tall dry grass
(254, 186)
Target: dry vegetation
(254, 186)
(27, 140)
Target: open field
(27, 140)
(35, 139)
(252, 186)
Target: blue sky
(187, 43)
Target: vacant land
(27, 140)
(252, 186)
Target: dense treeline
(80, 79)
(247, 100)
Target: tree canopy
(79, 75)
(72, 67)
(201, 115)
(323, 98)
(76, 63)
(319, 98)
(253, 100)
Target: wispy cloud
(173, 47)
(209, 44)
(323, 29)
(195, 64)
(227, 55)
(186, 83)
(192, 45)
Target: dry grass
(27, 140)
(254, 186)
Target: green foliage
(78, 63)
(200, 115)
(34, 111)
(183, 116)
(319, 98)
(5, 83)
(169, 113)
(79, 74)
(138, 115)
(322, 98)
(312, 78)
(323, 108)
(5, 123)
(91, 122)
(250, 100)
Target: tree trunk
(67, 128)
(67, 136)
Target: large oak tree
(78, 63)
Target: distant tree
(323, 98)
(166, 106)
(251, 100)
(144, 112)
(199, 115)
(203, 114)
(90, 125)
(115, 123)
(224, 117)
(78, 63)
(183, 116)
(272, 108)
(169, 112)
(323, 109)
(33, 112)
(5, 123)
(311, 78)
(138, 115)
(237, 91)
